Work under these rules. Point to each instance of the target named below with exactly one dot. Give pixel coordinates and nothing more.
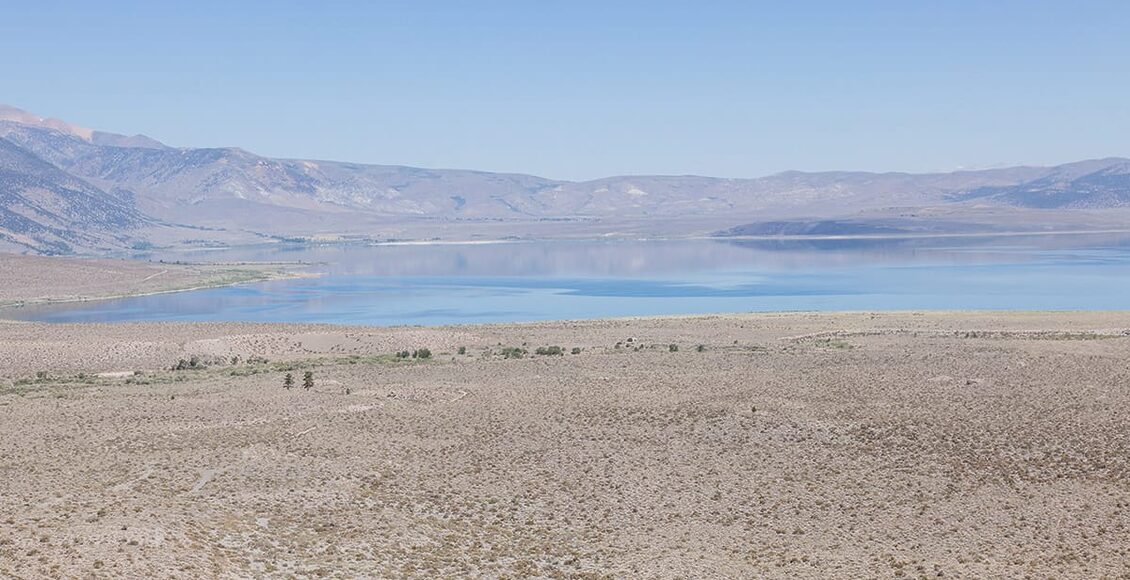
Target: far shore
(913, 236)
(40, 280)
(345, 240)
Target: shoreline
(45, 281)
(624, 237)
(913, 236)
(80, 300)
(547, 323)
(764, 316)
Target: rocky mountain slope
(45, 209)
(68, 188)
(1098, 184)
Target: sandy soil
(43, 279)
(790, 446)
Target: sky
(579, 89)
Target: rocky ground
(792, 445)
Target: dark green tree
(308, 380)
(288, 381)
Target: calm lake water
(445, 284)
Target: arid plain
(786, 445)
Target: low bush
(513, 352)
(191, 364)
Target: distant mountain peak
(15, 115)
(10, 113)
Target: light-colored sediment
(28, 280)
(951, 445)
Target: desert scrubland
(950, 445)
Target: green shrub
(549, 350)
(576, 350)
(673, 348)
(513, 352)
(192, 364)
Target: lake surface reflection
(445, 284)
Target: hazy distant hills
(48, 210)
(1097, 184)
(66, 188)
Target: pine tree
(308, 380)
(288, 381)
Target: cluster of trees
(307, 380)
(195, 363)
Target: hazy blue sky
(585, 89)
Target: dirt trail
(205, 476)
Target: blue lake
(456, 284)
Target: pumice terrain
(855, 445)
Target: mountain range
(68, 189)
